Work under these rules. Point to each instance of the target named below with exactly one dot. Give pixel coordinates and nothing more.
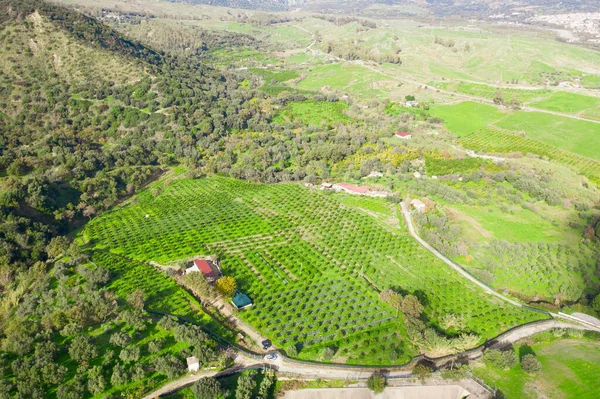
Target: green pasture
(570, 370)
(285, 246)
(569, 103)
(467, 117)
(351, 79)
(313, 112)
(276, 75)
(520, 224)
(576, 136)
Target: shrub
(226, 286)
(207, 388)
(292, 351)
(328, 353)
(501, 359)
(376, 383)
(530, 364)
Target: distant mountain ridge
(440, 7)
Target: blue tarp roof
(241, 300)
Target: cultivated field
(311, 264)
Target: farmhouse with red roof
(403, 135)
(351, 188)
(358, 190)
(210, 269)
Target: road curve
(447, 261)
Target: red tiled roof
(204, 267)
(352, 187)
(403, 134)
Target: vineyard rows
(495, 141)
(301, 255)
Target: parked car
(271, 357)
(266, 344)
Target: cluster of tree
(449, 42)
(341, 21)
(530, 260)
(500, 99)
(188, 41)
(250, 385)
(353, 50)
(263, 19)
(427, 338)
(438, 230)
(426, 187)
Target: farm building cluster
(353, 189)
(212, 271)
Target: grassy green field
(576, 136)
(467, 117)
(284, 245)
(567, 102)
(313, 113)
(359, 81)
(570, 370)
(521, 225)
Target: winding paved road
(305, 370)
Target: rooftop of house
(204, 266)
(241, 300)
(352, 187)
(403, 134)
(192, 360)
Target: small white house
(193, 364)
(418, 205)
(417, 175)
(412, 103)
(326, 186)
(193, 268)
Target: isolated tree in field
(137, 299)
(498, 97)
(376, 383)
(226, 286)
(246, 385)
(119, 375)
(134, 319)
(119, 339)
(530, 364)
(82, 349)
(207, 388)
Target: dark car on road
(266, 344)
